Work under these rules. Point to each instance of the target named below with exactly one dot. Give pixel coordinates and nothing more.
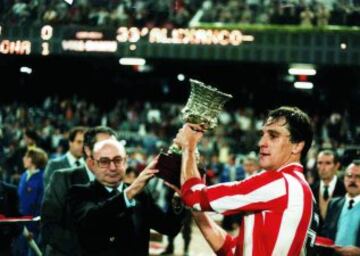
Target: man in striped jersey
(277, 203)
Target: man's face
(275, 145)
(109, 164)
(326, 166)
(76, 146)
(352, 180)
(27, 162)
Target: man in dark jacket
(72, 159)
(57, 229)
(329, 185)
(114, 218)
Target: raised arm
(188, 138)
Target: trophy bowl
(202, 108)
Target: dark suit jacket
(107, 227)
(57, 229)
(338, 191)
(9, 207)
(53, 165)
(332, 218)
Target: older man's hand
(140, 182)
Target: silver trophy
(202, 108)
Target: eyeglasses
(355, 176)
(104, 162)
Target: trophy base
(169, 166)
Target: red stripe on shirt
(305, 219)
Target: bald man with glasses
(114, 218)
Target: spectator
(306, 17)
(73, 158)
(329, 185)
(31, 192)
(342, 223)
(322, 16)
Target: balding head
(110, 143)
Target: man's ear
(298, 147)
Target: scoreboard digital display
(48, 40)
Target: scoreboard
(48, 40)
(281, 44)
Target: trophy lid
(204, 104)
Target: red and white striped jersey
(277, 207)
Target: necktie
(77, 163)
(351, 204)
(326, 192)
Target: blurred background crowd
(149, 128)
(182, 13)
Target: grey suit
(53, 165)
(57, 228)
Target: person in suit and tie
(73, 158)
(9, 207)
(342, 223)
(57, 229)
(329, 185)
(114, 218)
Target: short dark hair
(74, 131)
(32, 134)
(298, 124)
(90, 136)
(330, 152)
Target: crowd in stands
(181, 13)
(146, 127)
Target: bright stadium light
(304, 85)
(26, 70)
(180, 77)
(302, 69)
(132, 61)
(69, 1)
